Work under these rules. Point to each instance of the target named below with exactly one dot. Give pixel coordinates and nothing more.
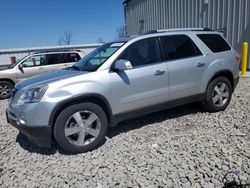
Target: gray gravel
(181, 147)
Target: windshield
(97, 57)
(13, 65)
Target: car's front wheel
(5, 89)
(80, 127)
(218, 94)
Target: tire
(214, 101)
(5, 89)
(78, 138)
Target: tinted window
(215, 42)
(179, 46)
(33, 61)
(73, 57)
(142, 53)
(56, 58)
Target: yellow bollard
(244, 59)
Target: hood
(47, 78)
(4, 67)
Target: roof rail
(54, 50)
(177, 29)
(183, 29)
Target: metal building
(230, 16)
(19, 53)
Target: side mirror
(20, 66)
(122, 65)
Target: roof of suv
(55, 52)
(164, 31)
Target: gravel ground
(180, 147)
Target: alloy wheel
(82, 128)
(220, 94)
(5, 90)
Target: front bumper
(38, 135)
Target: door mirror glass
(20, 66)
(122, 65)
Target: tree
(120, 32)
(66, 38)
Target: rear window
(62, 58)
(214, 42)
(56, 58)
(73, 57)
(179, 46)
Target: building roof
(47, 48)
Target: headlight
(32, 95)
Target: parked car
(124, 79)
(32, 65)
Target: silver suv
(32, 65)
(124, 79)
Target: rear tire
(5, 89)
(81, 128)
(218, 95)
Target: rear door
(32, 66)
(186, 65)
(71, 59)
(55, 61)
(145, 84)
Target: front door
(146, 84)
(32, 66)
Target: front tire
(218, 95)
(80, 127)
(5, 89)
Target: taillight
(237, 58)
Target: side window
(33, 61)
(142, 53)
(73, 57)
(179, 46)
(214, 42)
(56, 58)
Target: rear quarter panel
(217, 62)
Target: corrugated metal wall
(232, 15)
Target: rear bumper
(236, 81)
(39, 135)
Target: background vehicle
(123, 79)
(33, 65)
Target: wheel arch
(223, 73)
(93, 98)
(8, 80)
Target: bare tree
(100, 40)
(120, 32)
(66, 38)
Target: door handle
(41, 68)
(200, 64)
(159, 73)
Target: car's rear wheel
(81, 127)
(5, 89)
(218, 94)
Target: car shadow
(122, 127)
(157, 117)
(27, 145)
